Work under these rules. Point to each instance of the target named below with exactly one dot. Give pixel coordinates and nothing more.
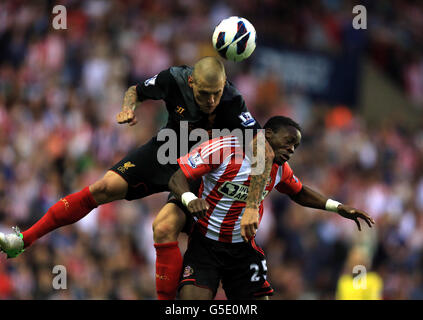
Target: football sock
(168, 269)
(66, 211)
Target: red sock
(168, 269)
(66, 211)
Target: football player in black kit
(205, 99)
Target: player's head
(284, 136)
(207, 82)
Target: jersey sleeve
(242, 118)
(208, 156)
(156, 87)
(289, 183)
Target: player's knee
(110, 188)
(168, 224)
(165, 231)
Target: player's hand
(249, 223)
(198, 207)
(127, 115)
(353, 214)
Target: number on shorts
(255, 277)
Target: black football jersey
(171, 85)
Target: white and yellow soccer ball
(234, 38)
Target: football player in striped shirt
(222, 246)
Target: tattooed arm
(130, 101)
(258, 180)
(155, 88)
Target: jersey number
(255, 277)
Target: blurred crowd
(60, 91)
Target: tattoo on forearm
(257, 186)
(130, 99)
(258, 182)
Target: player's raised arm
(308, 197)
(154, 88)
(127, 115)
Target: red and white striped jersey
(225, 172)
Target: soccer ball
(234, 38)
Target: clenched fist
(249, 223)
(127, 115)
(198, 207)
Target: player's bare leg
(192, 292)
(66, 211)
(166, 228)
(110, 188)
(168, 223)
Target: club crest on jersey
(195, 160)
(188, 271)
(126, 166)
(237, 191)
(247, 119)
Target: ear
(268, 133)
(190, 81)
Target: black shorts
(240, 266)
(143, 172)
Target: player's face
(283, 142)
(207, 95)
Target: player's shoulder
(221, 141)
(286, 166)
(179, 75)
(231, 93)
(180, 72)
(287, 172)
(162, 79)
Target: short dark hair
(276, 122)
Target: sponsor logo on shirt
(238, 192)
(247, 119)
(195, 160)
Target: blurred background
(358, 94)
